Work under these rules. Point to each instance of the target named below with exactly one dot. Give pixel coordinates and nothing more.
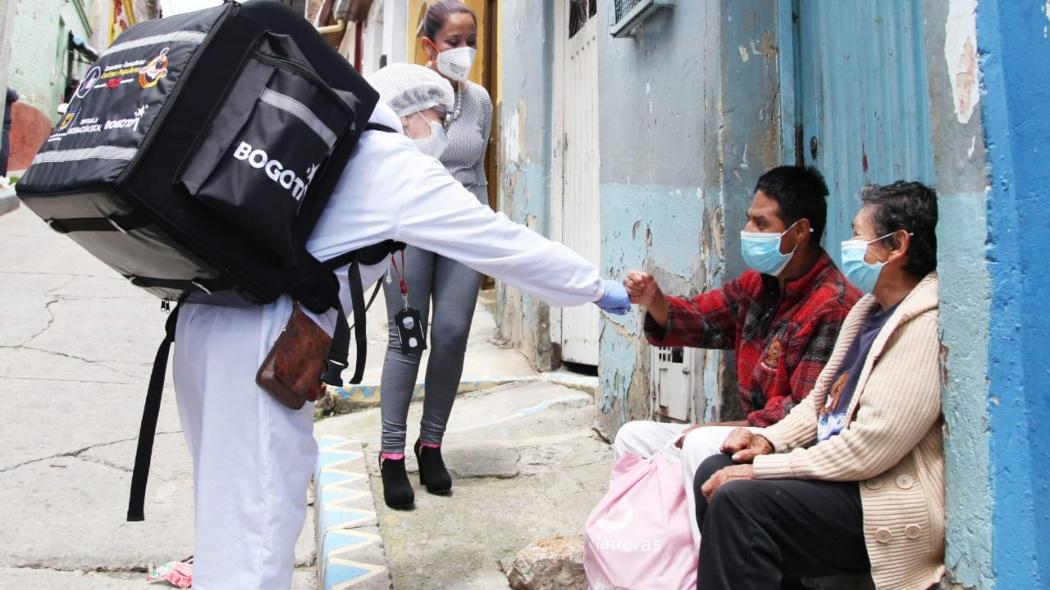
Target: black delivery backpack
(195, 159)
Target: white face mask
(456, 63)
(434, 145)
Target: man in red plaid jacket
(781, 317)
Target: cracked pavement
(76, 348)
(526, 465)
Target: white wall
(384, 34)
(170, 7)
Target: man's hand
(745, 445)
(724, 475)
(643, 290)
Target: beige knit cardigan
(892, 444)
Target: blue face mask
(761, 251)
(863, 275)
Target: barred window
(580, 11)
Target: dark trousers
(758, 533)
(5, 149)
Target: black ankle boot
(432, 472)
(397, 490)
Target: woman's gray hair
(910, 206)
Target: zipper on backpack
(297, 68)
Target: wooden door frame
(563, 49)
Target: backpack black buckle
(112, 221)
(54, 224)
(334, 375)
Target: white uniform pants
(252, 457)
(644, 438)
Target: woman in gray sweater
(435, 283)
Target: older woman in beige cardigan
(851, 480)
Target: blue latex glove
(615, 300)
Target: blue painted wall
(1015, 55)
(684, 135)
(524, 189)
(651, 112)
(690, 116)
(960, 170)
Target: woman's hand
(745, 445)
(615, 300)
(726, 474)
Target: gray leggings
(453, 288)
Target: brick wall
(29, 129)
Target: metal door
(574, 178)
(861, 99)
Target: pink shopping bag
(639, 536)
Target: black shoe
(397, 490)
(432, 472)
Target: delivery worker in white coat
(252, 456)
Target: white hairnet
(410, 88)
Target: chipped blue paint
(964, 319)
(619, 356)
(524, 193)
(1012, 41)
(964, 315)
(531, 206)
(863, 100)
(643, 227)
(669, 217)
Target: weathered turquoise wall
(959, 161)
(652, 109)
(691, 116)
(683, 140)
(524, 183)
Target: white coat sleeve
(439, 215)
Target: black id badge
(410, 331)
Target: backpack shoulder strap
(338, 356)
(340, 351)
(380, 127)
(148, 428)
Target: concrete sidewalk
(526, 466)
(76, 349)
(8, 200)
(73, 376)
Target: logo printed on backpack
(128, 123)
(90, 79)
(70, 116)
(275, 170)
(152, 72)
